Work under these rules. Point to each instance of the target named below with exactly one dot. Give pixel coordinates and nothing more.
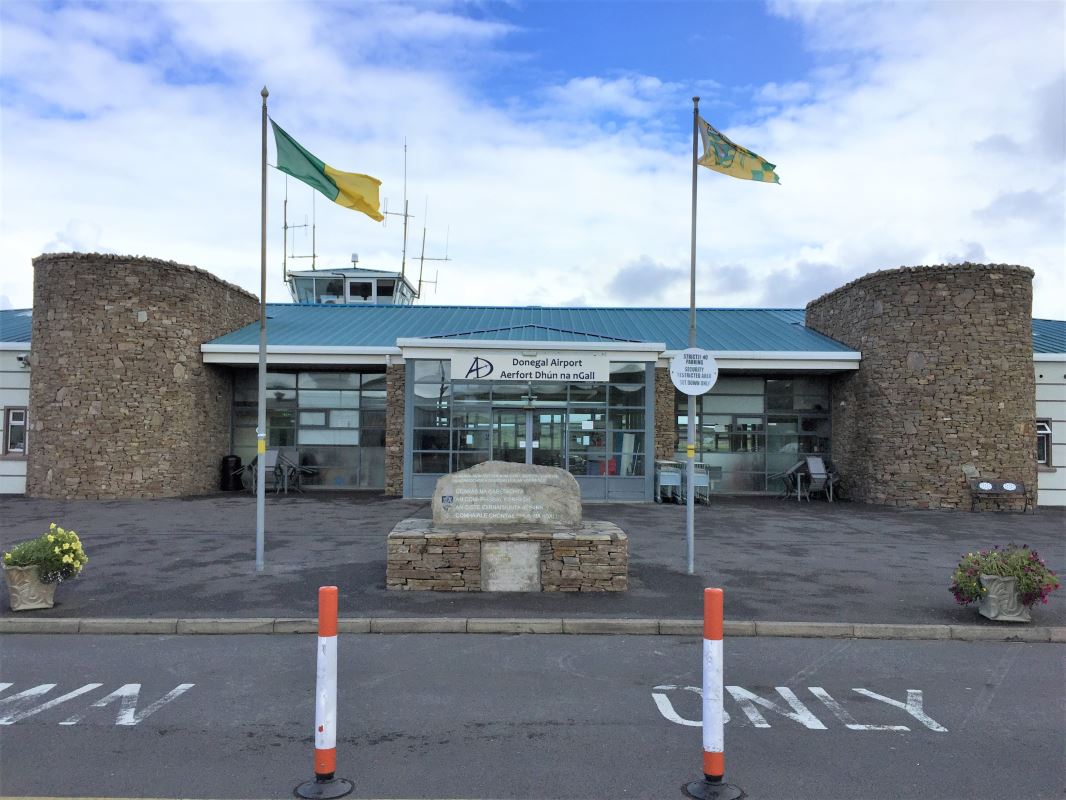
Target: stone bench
(591, 556)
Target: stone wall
(591, 558)
(946, 380)
(396, 387)
(121, 403)
(665, 421)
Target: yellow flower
(7, 556)
(51, 538)
(56, 550)
(52, 526)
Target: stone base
(590, 557)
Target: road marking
(128, 696)
(846, 718)
(16, 699)
(18, 707)
(913, 706)
(666, 708)
(799, 713)
(796, 711)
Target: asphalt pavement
(778, 560)
(532, 717)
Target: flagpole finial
(696, 100)
(265, 93)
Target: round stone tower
(946, 380)
(121, 402)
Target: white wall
(1051, 405)
(14, 391)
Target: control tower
(351, 286)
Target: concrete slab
(297, 625)
(874, 630)
(129, 625)
(734, 627)
(1000, 633)
(225, 626)
(38, 625)
(822, 630)
(625, 626)
(419, 625)
(681, 627)
(514, 626)
(352, 625)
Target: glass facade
(331, 422)
(590, 429)
(749, 428)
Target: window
(1043, 442)
(15, 431)
(334, 420)
(329, 290)
(363, 290)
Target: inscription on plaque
(510, 567)
(498, 492)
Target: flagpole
(690, 500)
(260, 432)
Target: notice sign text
(693, 371)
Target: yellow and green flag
(349, 189)
(722, 155)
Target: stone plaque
(510, 566)
(501, 493)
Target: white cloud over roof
(923, 133)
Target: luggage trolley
(701, 484)
(668, 477)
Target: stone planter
(1001, 602)
(26, 590)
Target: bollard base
(708, 790)
(323, 790)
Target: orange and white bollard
(712, 786)
(326, 784)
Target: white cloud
(922, 135)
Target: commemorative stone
(502, 527)
(502, 493)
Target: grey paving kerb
(778, 561)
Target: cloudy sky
(550, 141)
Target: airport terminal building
(133, 377)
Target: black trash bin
(230, 474)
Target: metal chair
(290, 470)
(791, 480)
(818, 479)
(270, 467)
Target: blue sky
(549, 141)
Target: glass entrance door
(510, 437)
(548, 435)
(524, 436)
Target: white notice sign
(693, 371)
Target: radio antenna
(423, 258)
(405, 215)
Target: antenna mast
(405, 215)
(423, 258)
(287, 227)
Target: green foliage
(1034, 580)
(58, 555)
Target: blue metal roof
(1049, 336)
(721, 329)
(15, 325)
